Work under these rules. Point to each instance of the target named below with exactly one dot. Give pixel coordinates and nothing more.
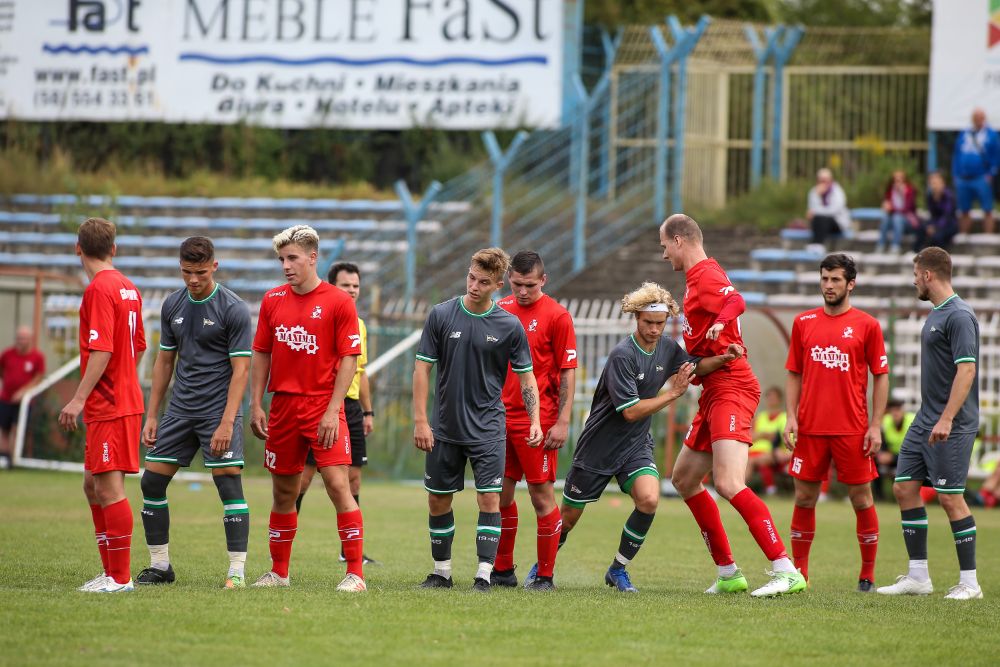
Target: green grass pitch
(47, 550)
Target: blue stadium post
(500, 162)
(762, 53)
(685, 39)
(413, 214)
(667, 56)
(932, 157)
(782, 53)
(572, 54)
(610, 51)
(583, 131)
(331, 256)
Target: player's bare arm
(163, 370)
(260, 369)
(880, 397)
(95, 369)
(559, 433)
(676, 386)
(965, 375)
(708, 365)
(793, 390)
(423, 436)
(529, 394)
(365, 397)
(223, 435)
(329, 423)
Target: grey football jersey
(950, 337)
(630, 375)
(472, 353)
(205, 334)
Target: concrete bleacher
(37, 232)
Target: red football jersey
(708, 287)
(17, 370)
(306, 335)
(111, 321)
(834, 354)
(552, 341)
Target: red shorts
(293, 429)
(535, 464)
(811, 459)
(723, 416)
(113, 444)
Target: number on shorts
(796, 464)
(270, 459)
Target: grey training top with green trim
(630, 375)
(472, 353)
(204, 334)
(950, 337)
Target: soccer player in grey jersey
(472, 341)
(616, 441)
(938, 446)
(205, 329)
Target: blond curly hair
(650, 293)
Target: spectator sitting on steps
(900, 206)
(941, 225)
(827, 211)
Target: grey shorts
(944, 466)
(444, 469)
(178, 439)
(585, 486)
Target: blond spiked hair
(302, 235)
(650, 293)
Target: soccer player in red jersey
(112, 341)
(305, 353)
(720, 436)
(826, 396)
(552, 340)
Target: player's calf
(236, 523)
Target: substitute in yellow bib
(766, 454)
(895, 424)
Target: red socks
(549, 529)
(867, 541)
(758, 518)
(352, 539)
(706, 513)
(766, 476)
(97, 514)
(508, 535)
(281, 532)
(803, 531)
(118, 541)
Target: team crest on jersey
(297, 338)
(533, 325)
(848, 332)
(640, 376)
(659, 369)
(832, 357)
(686, 327)
(317, 313)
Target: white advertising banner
(364, 64)
(965, 63)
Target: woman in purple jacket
(942, 224)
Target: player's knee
(905, 492)
(647, 502)
(89, 490)
(861, 496)
(685, 484)
(154, 484)
(728, 488)
(954, 505)
(438, 503)
(230, 487)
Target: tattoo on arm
(530, 402)
(563, 394)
